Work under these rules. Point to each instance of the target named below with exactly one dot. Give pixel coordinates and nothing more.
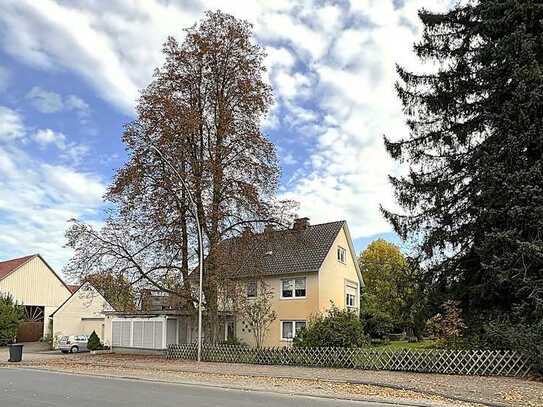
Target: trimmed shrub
(94, 342)
(336, 328)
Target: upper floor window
(351, 294)
(293, 288)
(251, 289)
(341, 254)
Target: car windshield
(63, 338)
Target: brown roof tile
(6, 267)
(278, 252)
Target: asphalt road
(33, 388)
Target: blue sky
(70, 72)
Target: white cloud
(70, 151)
(45, 101)
(37, 199)
(11, 124)
(332, 67)
(47, 136)
(74, 102)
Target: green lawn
(396, 345)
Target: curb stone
(339, 381)
(392, 402)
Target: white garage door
(132, 333)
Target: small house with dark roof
(307, 267)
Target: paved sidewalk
(487, 390)
(31, 351)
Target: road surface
(34, 388)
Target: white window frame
(294, 296)
(294, 322)
(341, 255)
(356, 286)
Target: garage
(141, 331)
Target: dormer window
(251, 289)
(341, 254)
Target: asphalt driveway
(32, 388)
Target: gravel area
(341, 383)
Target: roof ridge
(328, 223)
(9, 266)
(20, 258)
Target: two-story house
(307, 268)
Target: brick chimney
(300, 224)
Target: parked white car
(73, 344)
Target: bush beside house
(336, 328)
(94, 342)
(11, 314)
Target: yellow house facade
(81, 314)
(324, 273)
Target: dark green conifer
(473, 197)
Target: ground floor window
(289, 329)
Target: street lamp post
(194, 210)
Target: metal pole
(200, 245)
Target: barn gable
(33, 283)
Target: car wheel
(74, 349)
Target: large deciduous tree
(115, 288)
(473, 197)
(394, 289)
(203, 110)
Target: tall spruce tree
(473, 197)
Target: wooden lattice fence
(466, 362)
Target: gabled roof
(280, 251)
(71, 296)
(9, 266)
(73, 287)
